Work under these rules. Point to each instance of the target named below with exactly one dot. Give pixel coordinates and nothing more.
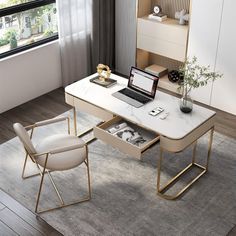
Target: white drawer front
(93, 110)
(165, 38)
(161, 47)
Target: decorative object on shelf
(195, 76)
(182, 16)
(157, 70)
(157, 14)
(175, 76)
(103, 77)
(157, 9)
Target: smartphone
(156, 111)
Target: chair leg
(55, 188)
(25, 162)
(24, 167)
(41, 184)
(88, 173)
(58, 194)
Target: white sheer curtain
(75, 17)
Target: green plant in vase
(194, 76)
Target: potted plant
(194, 76)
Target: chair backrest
(24, 138)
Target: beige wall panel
(142, 58)
(144, 7)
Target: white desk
(176, 132)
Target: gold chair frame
(43, 171)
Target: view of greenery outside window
(25, 24)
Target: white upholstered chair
(54, 153)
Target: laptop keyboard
(134, 95)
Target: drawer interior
(129, 132)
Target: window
(25, 24)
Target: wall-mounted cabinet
(212, 39)
(162, 43)
(224, 90)
(203, 39)
(167, 38)
(142, 42)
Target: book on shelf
(157, 70)
(104, 83)
(159, 17)
(126, 133)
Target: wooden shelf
(168, 85)
(161, 43)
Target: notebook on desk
(141, 88)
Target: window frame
(20, 8)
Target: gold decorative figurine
(103, 77)
(104, 72)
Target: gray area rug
(124, 200)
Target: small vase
(186, 104)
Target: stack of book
(159, 17)
(127, 134)
(157, 70)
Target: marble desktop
(176, 126)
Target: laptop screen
(143, 82)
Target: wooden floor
(15, 219)
(232, 232)
(44, 107)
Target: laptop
(141, 88)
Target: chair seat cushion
(64, 160)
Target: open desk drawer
(139, 138)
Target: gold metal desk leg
(194, 152)
(209, 147)
(161, 190)
(159, 170)
(86, 131)
(75, 121)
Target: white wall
(29, 74)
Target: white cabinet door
(224, 90)
(203, 39)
